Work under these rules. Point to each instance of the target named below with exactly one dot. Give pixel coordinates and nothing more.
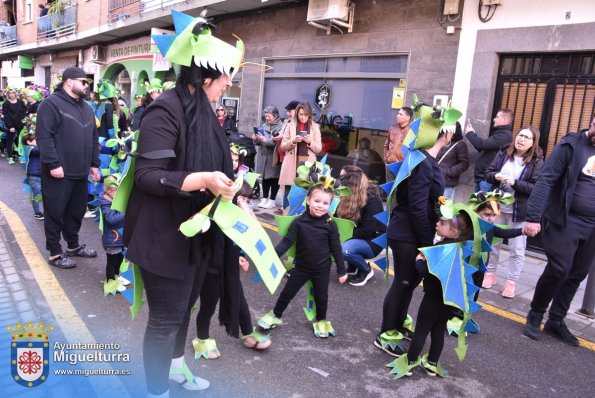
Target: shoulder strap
(447, 152)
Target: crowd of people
(186, 159)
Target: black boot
(559, 330)
(532, 326)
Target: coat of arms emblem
(30, 353)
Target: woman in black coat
(453, 160)
(514, 170)
(183, 163)
(411, 226)
(14, 111)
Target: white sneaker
(120, 288)
(270, 204)
(263, 202)
(90, 214)
(123, 281)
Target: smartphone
(258, 130)
(303, 133)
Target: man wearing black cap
(68, 143)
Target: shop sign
(323, 96)
(25, 62)
(127, 51)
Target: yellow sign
(398, 97)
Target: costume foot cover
(392, 339)
(323, 329)
(408, 324)
(261, 340)
(111, 286)
(401, 366)
(269, 321)
(206, 349)
(189, 382)
(433, 369)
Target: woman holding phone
(301, 142)
(267, 157)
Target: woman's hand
(343, 279)
(307, 139)
(297, 139)
(258, 137)
(219, 184)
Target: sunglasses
(220, 109)
(83, 81)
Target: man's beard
(82, 93)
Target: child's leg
(426, 317)
(438, 332)
(118, 260)
(35, 186)
(112, 266)
(209, 297)
(320, 280)
(294, 284)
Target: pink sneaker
(509, 287)
(489, 280)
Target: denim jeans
(449, 192)
(356, 251)
(35, 187)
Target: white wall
(511, 14)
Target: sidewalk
(534, 264)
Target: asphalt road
(500, 362)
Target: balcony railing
(8, 36)
(119, 10)
(57, 25)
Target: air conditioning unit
(323, 10)
(97, 53)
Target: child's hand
(420, 256)
(244, 264)
(343, 279)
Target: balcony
(8, 37)
(120, 10)
(57, 25)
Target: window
(371, 77)
(28, 10)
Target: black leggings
(431, 318)
(271, 184)
(298, 278)
(170, 302)
(209, 297)
(112, 268)
(398, 298)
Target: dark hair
(351, 168)
(408, 111)
(458, 135)
(485, 205)
(307, 110)
(28, 137)
(465, 227)
(508, 113)
(245, 190)
(319, 187)
(535, 150)
(200, 118)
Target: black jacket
(136, 116)
(316, 239)
(522, 187)
(454, 164)
(14, 114)
(67, 135)
(414, 218)
(113, 222)
(554, 190)
(488, 148)
(370, 228)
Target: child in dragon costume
(204, 346)
(313, 258)
(33, 168)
